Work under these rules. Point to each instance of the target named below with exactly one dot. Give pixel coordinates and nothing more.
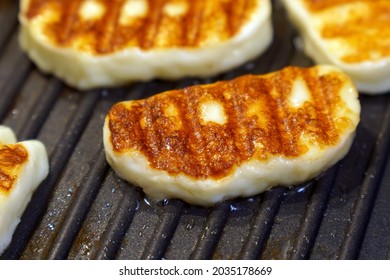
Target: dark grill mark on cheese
(182, 143)
(202, 21)
(107, 32)
(12, 158)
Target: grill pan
(84, 211)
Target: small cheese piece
(23, 166)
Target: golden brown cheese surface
(320, 5)
(104, 26)
(259, 121)
(12, 158)
(366, 29)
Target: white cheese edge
(7, 136)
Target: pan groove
(366, 197)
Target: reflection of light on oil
(137, 205)
(233, 208)
(147, 201)
(302, 188)
(141, 233)
(86, 249)
(154, 203)
(70, 192)
(190, 225)
(52, 213)
(51, 226)
(163, 202)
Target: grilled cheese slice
(23, 166)
(354, 35)
(101, 43)
(207, 143)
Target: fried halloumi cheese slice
(7, 136)
(354, 35)
(101, 43)
(207, 143)
(23, 166)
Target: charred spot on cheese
(107, 26)
(12, 158)
(251, 117)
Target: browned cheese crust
(201, 22)
(12, 159)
